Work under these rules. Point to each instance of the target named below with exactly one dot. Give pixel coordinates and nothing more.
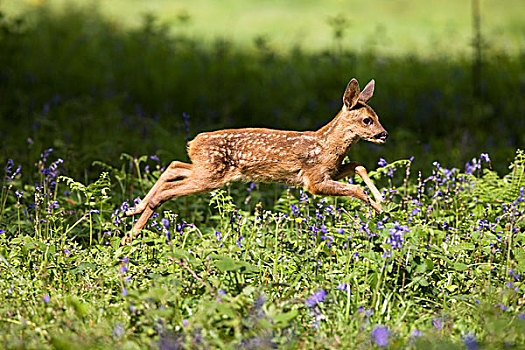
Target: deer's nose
(381, 136)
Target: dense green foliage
(92, 91)
(252, 266)
(442, 267)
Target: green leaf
(460, 266)
(285, 318)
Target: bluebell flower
(155, 158)
(382, 162)
(396, 235)
(315, 299)
(343, 286)
(470, 341)
(416, 333)
(437, 322)
(485, 157)
(165, 222)
(46, 298)
(380, 336)
(124, 291)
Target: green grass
(241, 268)
(400, 27)
(226, 270)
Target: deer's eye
(367, 121)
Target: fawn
(311, 159)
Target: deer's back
(255, 154)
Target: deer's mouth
(380, 138)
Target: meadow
(92, 110)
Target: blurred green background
(94, 79)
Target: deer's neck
(337, 136)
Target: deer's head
(361, 118)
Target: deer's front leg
(351, 168)
(329, 187)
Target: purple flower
(124, 207)
(343, 286)
(19, 194)
(66, 251)
(521, 316)
(165, 222)
(470, 341)
(185, 322)
(396, 235)
(315, 299)
(380, 336)
(485, 157)
(382, 162)
(155, 158)
(437, 322)
(124, 291)
(417, 333)
(46, 298)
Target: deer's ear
(367, 92)
(351, 95)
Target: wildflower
(66, 251)
(218, 234)
(521, 316)
(484, 157)
(46, 298)
(11, 288)
(19, 194)
(239, 239)
(185, 322)
(396, 235)
(340, 230)
(165, 222)
(361, 309)
(437, 322)
(470, 341)
(124, 207)
(124, 291)
(315, 299)
(416, 333)
(380, 336)
(382, 162)
(155, 158)
(343, 286)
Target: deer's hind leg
(175, 171)
(192, 184)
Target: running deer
(311, 159)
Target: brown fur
(311, 159)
